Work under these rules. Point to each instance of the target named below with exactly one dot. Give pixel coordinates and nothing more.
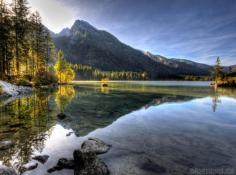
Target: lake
(154, 127)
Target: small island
(223, 79)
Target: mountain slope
(84, 44)
(183, 66)
(230, 69)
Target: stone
(62, 163)
(65, 163)
(6, 144)
(56, 168)
(95, 145)
(6, 170)
(61, 116)
(41, 158)
(89, 164)
(29, 166)
(85, 160)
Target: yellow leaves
(65, 75)
(63, 69)
(64, 96)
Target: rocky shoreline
(13, 90)
(85, 160)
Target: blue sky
(199, 30)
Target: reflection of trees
(25, 121)
(215, 100)
(64, 96)
(229, 92)
(104, 90)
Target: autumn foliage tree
(63, 69)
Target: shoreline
(12, 90)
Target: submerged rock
(61, 116)
(85, 160)
(55, 168)
(95, 145)
(6, 170)
(89, 164)
(65, 163)
(62, 163)
(41, 158)
(29, 166)
(6, 145)
(69, 134)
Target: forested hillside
(26, 47)
(84, 44)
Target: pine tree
(217, 70)
(5, 40)
(26, 47)
(41, 44)
(20, 13)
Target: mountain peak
(65, 32)
(100, 49)
(81, 24)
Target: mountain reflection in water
(31, 121)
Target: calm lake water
(153, 127)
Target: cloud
(54, 15)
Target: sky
(199, 30)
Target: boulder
(95, 145)
(88, 164)
(6, 144)
(85, 160)
(6, 170)
(41, 158)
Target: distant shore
(151, 83)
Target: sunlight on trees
(26, 47)
(89, 72)
(63, 69)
